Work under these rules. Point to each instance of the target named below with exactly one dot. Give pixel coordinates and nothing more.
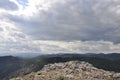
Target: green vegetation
(8, 65)
(12, 66)
(60, 78)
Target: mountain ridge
(71, 70)
(13, 66)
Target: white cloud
(52, 26)
(78, 47)
(13, 41)
(70, 20)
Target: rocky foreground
(72, 70)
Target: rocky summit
(72, 70)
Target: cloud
(53, 26)
(15, 42)
(72, 20)
(8, 5)
(78, 47)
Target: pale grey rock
(73, 70)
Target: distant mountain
(8, 65)
(110, 56)
(14, 66)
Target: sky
(59, 26)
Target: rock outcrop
(72, 70)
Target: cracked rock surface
(72, 70)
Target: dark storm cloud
(8, 5)
(74, 20)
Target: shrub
(60, 78)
